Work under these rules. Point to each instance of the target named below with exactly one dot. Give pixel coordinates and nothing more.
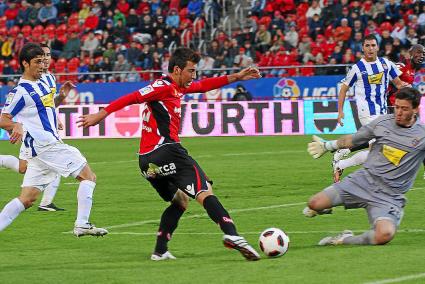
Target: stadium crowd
(137, 35)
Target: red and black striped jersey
(407, 75)
(162, 112)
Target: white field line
(205, 215)
(398, 279)
(256, 233)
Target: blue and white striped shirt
(369, 81)
(32, 104)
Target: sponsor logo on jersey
(146, 90)
(9, 98)
(153, 171)
(147, 128)
(48, 100)
(375, 78)
(159, 83)
(393, 155)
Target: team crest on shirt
(146, 90)
(375, 78)
(415, 142)
(385, 66)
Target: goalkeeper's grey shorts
(358, 190)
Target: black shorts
(170, 168)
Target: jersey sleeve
(15, 102)
(365, 133)
(351, 77)
(206, 85)
(394, 72)
(152, 92)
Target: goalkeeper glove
(319, 146)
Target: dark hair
(369, 37)
(409, 94)
(44, 45)
(29, 51)
(181, 56)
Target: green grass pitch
(263, 182)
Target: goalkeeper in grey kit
(388, 173)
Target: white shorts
(59, 159)
(368, 119)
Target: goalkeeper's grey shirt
(397, 154)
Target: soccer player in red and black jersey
(408, 68)
(174, 174)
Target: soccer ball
(274, 242)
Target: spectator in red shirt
(11, 13)
(343, 32)
(124, 7)
(91, 22)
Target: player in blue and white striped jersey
(32, 103)
(369, 79)
(20, 165)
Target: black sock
(169, 220)
(219, 215)
(361, 147)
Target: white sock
(50, 191)
(355, 160)
(10, 162)
(10, 212)
(85, 200)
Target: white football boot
(89, 230)
(336, 240)
(166, 255)
(239, 243)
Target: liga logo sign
(286, 89)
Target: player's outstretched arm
(91, 119)
(15, 129)
(63, 92)
(245, 74)
(318, 147)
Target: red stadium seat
(37, 32)
(3, 21)
(74, 62)
(73, 19)
(3, 31)
(50, 30)
(61, 30)
(14, 64)
(1, 65)
(63, 38)
(14, 31)
(26, 31)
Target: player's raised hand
(66, 88)
(316, 148)
(91, 119)
(249, 73)
(17, 133)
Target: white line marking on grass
(255, 233)
(204, 215)
(71, 183)
(399, 279)
(134, 224)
